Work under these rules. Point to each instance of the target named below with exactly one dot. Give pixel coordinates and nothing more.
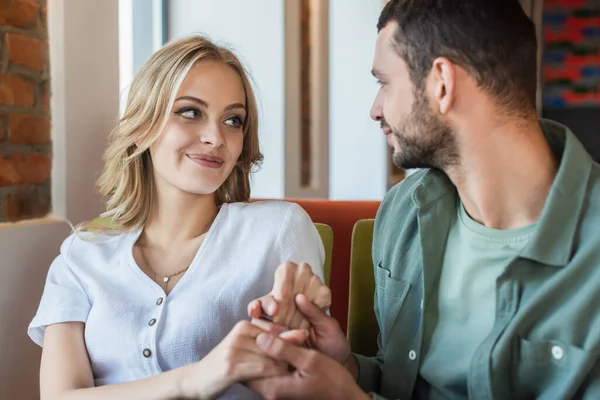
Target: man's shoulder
(396, 218)
(595, 180)
(590, 220)
(400, 196)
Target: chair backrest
(326, 234)
(362, 323)
(341, 217)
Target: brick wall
(25, 148)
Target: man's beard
(423, 140)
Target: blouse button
(147, 353)
(412, 355)
(152, 322)
(159, 301)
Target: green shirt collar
(552, 241)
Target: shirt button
(159, 301)
(152, 322)
(557, 352)
(147, 353)
(412, 355)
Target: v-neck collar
(135, 235)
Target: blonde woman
(150, 307)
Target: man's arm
(590, 389)
(367, 370)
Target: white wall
(84, 106)
(357, 148)
(255, 30)
(141, 33)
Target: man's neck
(505, 174)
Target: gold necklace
(166, 278)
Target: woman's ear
(142, 144)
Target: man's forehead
(385, 52)
(385, 38)
(385, 41)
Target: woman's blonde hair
(127, 177)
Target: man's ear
(443, 76)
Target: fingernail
(263, 340)
(271, 308)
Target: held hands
(315, 377)
(296, 306)
(325, 333)
(237, 359)
(290, 280)
(327, 371)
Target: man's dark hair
(493, 40)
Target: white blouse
(133, 330)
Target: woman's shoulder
(269, 209)
(85, 244)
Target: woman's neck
(178, 218)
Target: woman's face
(203, 137)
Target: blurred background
(66, 65)
(311, 62)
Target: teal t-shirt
(461, 312)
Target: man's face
(415, 132)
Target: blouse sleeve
(64, 298)
(299, 241)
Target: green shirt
(545, 338)
(462, 304)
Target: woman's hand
(236, 359)
(279, 305)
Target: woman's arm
(66, 372)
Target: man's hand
(291, 279)
(296, 336)
(316, 376)
(325, 334)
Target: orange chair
(341, 217)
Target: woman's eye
(235, 122)
(190, 113)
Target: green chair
(362, 323)
(326, 234)
(324, 230)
